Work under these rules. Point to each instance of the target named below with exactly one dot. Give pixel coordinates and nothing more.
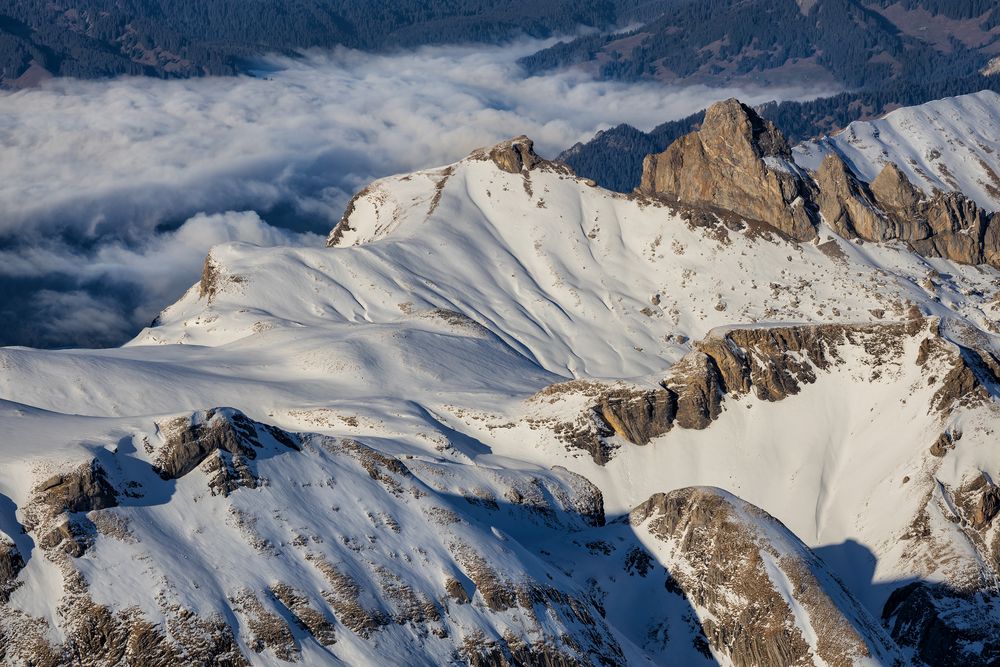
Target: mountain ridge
(510, 416)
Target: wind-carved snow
(465, 314)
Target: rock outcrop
(735, 563)
(639, 417)
(736, 162)
(740, 163)
(944, 626)
(11, 563)
(947, 225)
(847, 204)
(771, 362)
(229, 436)
(82, 489)
(515, 155)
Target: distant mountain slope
(847, 42)
(88, 38)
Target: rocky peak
(515, 155)
(740, 163)
(736, 162)
(731, 119)
(892, 188)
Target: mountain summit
(737, 162)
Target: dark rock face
(945, 627)
(84, 489)
(189, 441)
(639, 417)
(11, 563)
(737, 162)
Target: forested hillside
(855, 43)
(92, 38)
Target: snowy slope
(952, 144)
(409, 391)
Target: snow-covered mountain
(949, 145)
(510, 418)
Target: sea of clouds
(111, 192)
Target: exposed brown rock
(736, 162)
(718, 545)
(515, 155)
(82, 489)
(947, 225)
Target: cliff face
(890, 208)
(737, 162)
(774, 363)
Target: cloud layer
(113, 191)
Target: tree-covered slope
(89, 38)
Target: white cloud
(103, 165)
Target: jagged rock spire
(736, 162)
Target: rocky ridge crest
(740, 163)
